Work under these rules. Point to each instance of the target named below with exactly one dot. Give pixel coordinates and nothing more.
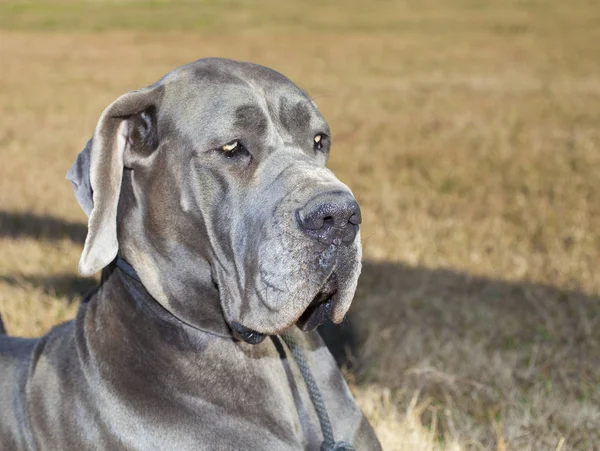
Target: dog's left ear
(98, 171)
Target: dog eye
(233, 148)
(319, 141)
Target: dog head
(214, 180)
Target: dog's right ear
(98, 170)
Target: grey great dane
(217, 227)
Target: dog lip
(248, 335)
(314, 316)
(321, 307)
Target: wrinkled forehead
(237, 99)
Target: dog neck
(162, 335)
(203, 315)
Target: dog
(217, 228)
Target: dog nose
(330, 218)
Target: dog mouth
(319, 310)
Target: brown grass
(470, 133)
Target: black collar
(126, 267)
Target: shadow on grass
(479, 349)
(29, 225)
(395, 301)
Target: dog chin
(322, 305)
(320, 310)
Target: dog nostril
(355, 219)
(328, 221)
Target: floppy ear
(97, 173)
(79, 175)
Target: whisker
(312, 99)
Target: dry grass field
(470, 133)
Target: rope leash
(329, 444)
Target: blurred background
(469, 131)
